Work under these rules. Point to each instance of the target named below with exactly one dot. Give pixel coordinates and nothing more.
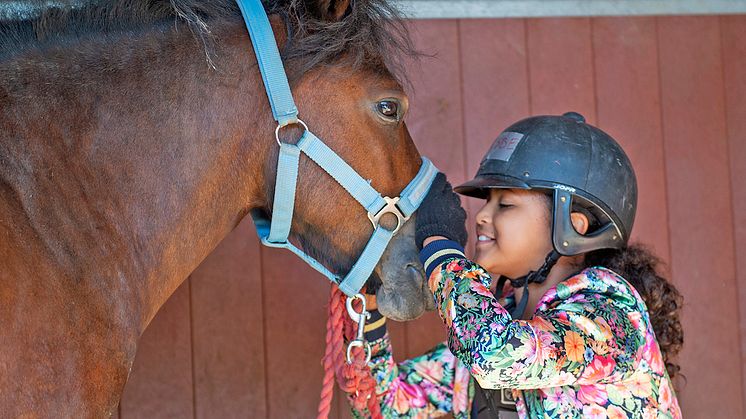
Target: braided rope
(333, 328)
(355, 378)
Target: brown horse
(134, 136)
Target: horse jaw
(403, 294)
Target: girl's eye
(504, 205)
(389, 109)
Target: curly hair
(640, 267)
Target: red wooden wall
(244, 335)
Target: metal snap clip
(360, 319)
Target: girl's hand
(440, 214)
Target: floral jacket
(428, 386)
(589, 351)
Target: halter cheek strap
(269, 61)
(274, 232)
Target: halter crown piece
(274, 232)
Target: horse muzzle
(403, 293)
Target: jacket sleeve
(586, 338)
(430, 385)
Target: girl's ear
(579, 222)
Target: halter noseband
(274, 232)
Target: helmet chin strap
(538, 276)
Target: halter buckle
(389, 208)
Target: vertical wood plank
(160, 385)
(398, 334)
(700, 217)
(560, 66)
(734, 60)
(628, 102)
(436, 125)
(435, 117)
(295, 311)
(227, 328)
(343, 406)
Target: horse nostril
(414, 269)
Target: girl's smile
(484, 239)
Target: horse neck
(135, 158)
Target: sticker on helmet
(504, 146)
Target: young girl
(588, 328)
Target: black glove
(440, 214)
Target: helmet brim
(479, 186)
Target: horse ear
(332, 10)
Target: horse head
(357, 106)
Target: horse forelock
(371, 35)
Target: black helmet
(584, 167)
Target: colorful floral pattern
(428, 386)
(589, 351)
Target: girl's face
(513, 232)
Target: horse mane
(372, 30)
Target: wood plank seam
(732, 205)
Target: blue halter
(275, 232)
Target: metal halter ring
(277, 130)
(389, 208)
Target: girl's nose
(484, 215)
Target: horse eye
(388, 108)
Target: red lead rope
(355, 378)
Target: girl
(587, 328)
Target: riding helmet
(580, 165)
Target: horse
(135, 135)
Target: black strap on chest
(489, 404)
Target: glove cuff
(434, 229)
